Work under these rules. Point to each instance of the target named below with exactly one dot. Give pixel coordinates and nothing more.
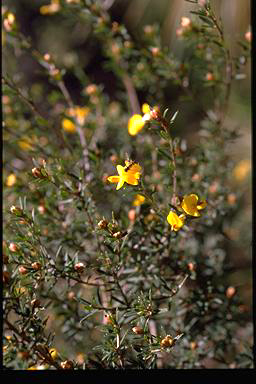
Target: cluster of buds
(167, 341)
(79, 267)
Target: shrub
(117, 224)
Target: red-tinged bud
(36, 265)
(167, 342)
(13, 247)
(23, 270)
(79, 267)
(138, 330)
(68, 364)
(230, 292)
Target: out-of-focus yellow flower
(68, 126)
(38, 367)
(51, 8)
(129, 174)
(11, 180)
(176, 222)
(241, 170)
(79, 114)
(139, 199)
(191, 205)
(26, 143)
(137, 122)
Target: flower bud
(132, 214)
(138, 330)
(155, 51)
(16, 210)
(68, 364)
(167, 341)
(193, 345)
(35, 303)
(91, 89)
(54, 354)
(41, 209)
(36, 265)
(71, 295)
(36, 172)
(230, 292)
(102, 224)
(117, 235)
(13, 247)
(155, 114)
(23, 270)
(79, 267)
(185, 22)
(248, 36)
(209, 76)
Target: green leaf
(164, 135)
(174, 117)
(206, 20)
(164, 153)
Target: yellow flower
(191, 205)
(26, 143)
(51, 8)
(137, 122)
(129, 174)
(241, 170)
(11, 180)
(139, 199)
(68, 126)
(79, 113)
(176, 222)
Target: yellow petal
(120, 170)
(135, 124)
(189, 205)
(139, 199)
(113, 179)
(145, 108)
(175, 221)
(120, 183)
(202, 204)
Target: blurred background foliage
(70, 42)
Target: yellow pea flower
(191, 205)
(11, 180)
(137, 122)
(176, 222)
(129, 174)
(139, 199)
